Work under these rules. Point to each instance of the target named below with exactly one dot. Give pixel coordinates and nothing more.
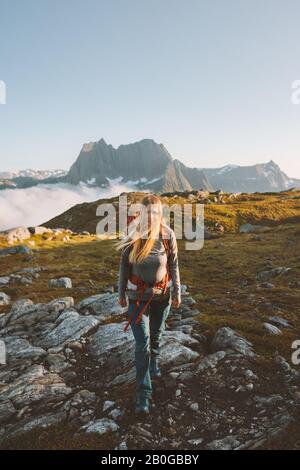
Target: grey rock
(111, 346)
(15, 250)
(279, 321)
(250, 228)
(4, 298)
(228, 339)
(19, 348)
(62, 282)
(4, 280)
(71, 327)
(271, 400)
(270, 273)
(35, 387)
(101, 426)
(211, 360)
(272, 329)
(101, 304)
(57, 363)
(227, 443)
(42, 421)
(108, 404)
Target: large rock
(71, 327)
(114, 349)
(101, 304)
(15, 250)
(19, 348)
(228, 340)
(211, 360)
(4, 280)
(25, 313)
(272, 329)
(4, 299)
(227, 443)
(101, 426)
(36, 387)
(270, 273)
(62, 282)
(111, 347)
(17, 234)
(176, 348)
(43, 421)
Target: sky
(211, 80)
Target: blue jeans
(147, 334)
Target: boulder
(272, 329)
(15, 250)
(101, 426)
(19, 348)
(4, 298)
(36, 387)
(71, 327)
(17, 234)
(227, 339)
(102, 305)
(270, 273)
(62, 282)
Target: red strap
(143, 309)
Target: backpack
(141, 285)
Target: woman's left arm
(174, 268)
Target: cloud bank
(33, 206)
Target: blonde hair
(143, 240)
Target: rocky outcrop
(145, 164)
(74, 365)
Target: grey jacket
(151, 270)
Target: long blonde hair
(143, 240)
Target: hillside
(228, 381)
(229, 210)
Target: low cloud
(33, 206)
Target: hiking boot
(154, 369)
(142, 405)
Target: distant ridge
(147, 165)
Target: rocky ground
(68, 365)
(227, 382)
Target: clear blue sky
(211, 80)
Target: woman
(151, 263)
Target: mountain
(145, 164)
(149, 165)
(264, 177)
(29, 178)
(29, 173)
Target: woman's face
(154, 213)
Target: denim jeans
(147, 334)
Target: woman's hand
(122, 301)
(176, 302)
